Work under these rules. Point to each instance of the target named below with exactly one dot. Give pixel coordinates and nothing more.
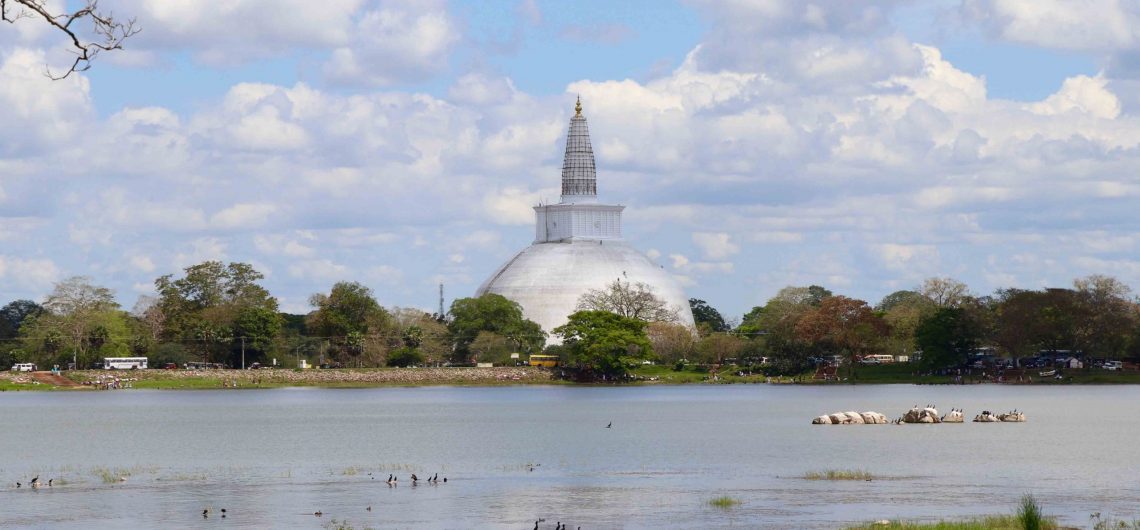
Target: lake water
(274, 457)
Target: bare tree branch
(628, 300)
(110, 33)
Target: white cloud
(910, 261)
(244, 215)
(236, 31)
(142, 263)
(321, 270)
(1086, 25)
(38, 116)
(385, 274)
(33, 273)
(200, 249)
(715, 245)
(1082, 94)
(398, 41)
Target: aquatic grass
(839, 474)
(341, 524)
(1029, 513)
(108, 475)
(993, 522)
(184, 477)
(723, 502)
(1028, 517)
(391, 468)
(119, 474)
(350, 471)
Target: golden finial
(578, 107)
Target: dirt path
(49, 378)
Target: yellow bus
(549, 361)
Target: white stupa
(578, 246)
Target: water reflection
(274, 457)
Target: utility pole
(243, 353)
(441, 301)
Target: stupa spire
(579, 175)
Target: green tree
(494, 313)
(1109, 315)
(771, 328)
(349, 307)
(1020, 326)
(902, 311)
(946, 338)
(210, 291)
(707, 317)
(255, 327)
(13, 314)
(717, 347)
(491, 347)
(404, 357)
(604, 345)
(216, 307)
(87, 318)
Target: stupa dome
(578, 247)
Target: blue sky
(863, 146)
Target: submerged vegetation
(839, 474)
(724, 502)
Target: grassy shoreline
(522, 375)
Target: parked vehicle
(1113, 365)
(23, 367)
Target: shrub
(404, 357)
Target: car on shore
(23, 367)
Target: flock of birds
(392, 481)
(35, 483)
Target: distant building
(578, 246)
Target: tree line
(220, 313)
(941, 320)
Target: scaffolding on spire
(579, 174)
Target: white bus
(124, 363)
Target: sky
(861, 146)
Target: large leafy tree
(601, 344)
(496, 314)
(846, 326)
(352, 323)
(771, 328)
(717, 347)
(217, 306)
(708, 319)
(1020, 327)
(349, 307)
(1109, 315)
(13, 314)
(902, 311)
(947, 337)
